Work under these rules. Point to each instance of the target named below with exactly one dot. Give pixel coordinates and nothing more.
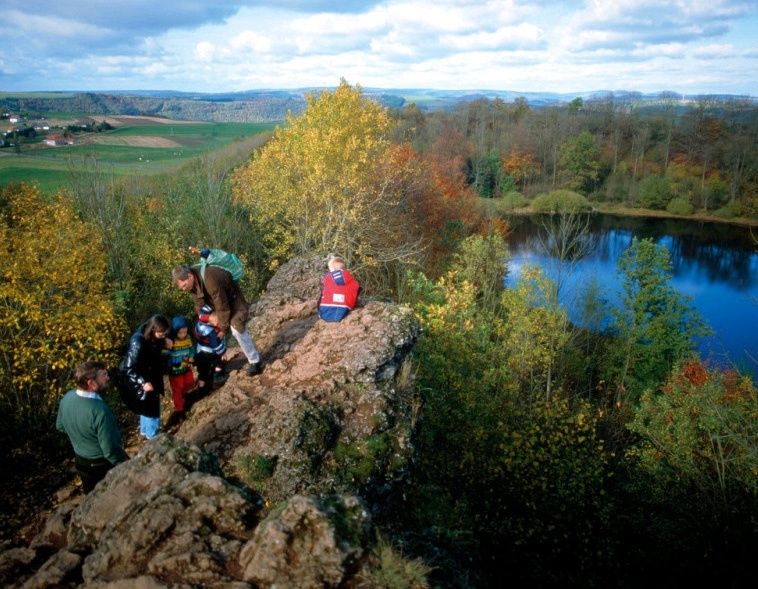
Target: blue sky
(688, 46)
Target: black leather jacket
(144, 361)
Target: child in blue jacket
(210, 348)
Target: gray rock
(307, 543)
(13, 561)
(60, 568)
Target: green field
(140, 148)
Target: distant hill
(255, 106)
(263, 107)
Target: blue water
(716, 265)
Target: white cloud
(250, 40)
(522, 35)
(674, 50)
(205, 51)
(536, 45)
(715, 51)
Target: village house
(57, 140)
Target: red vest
(339, 294)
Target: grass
(395, 571)
(51, 167)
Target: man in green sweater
(90, 425)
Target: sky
(685, 46)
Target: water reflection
(715, 264)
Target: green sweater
(91, 427)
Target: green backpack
(221, 259)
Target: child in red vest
(339, 291)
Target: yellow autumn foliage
(329, 181)
(55, 304)
(536, 329)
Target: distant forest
(657, 152)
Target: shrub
(498, 467)
(616, 187)
(692, 476)
(729, 211)
(700, 430)
(561, 201)
(513, 200)
(680, 206)
(57, 311)
(655, 192)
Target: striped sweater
(181, 356)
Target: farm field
(142, 145)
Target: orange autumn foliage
(522, 165)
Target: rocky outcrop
(331, 411)
(270, 482)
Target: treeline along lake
(715, 264)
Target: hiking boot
(220, 378)
(253, 368)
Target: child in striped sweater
(181, 357)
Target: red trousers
(180, 384)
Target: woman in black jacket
(143, 370)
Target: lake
(715, 264)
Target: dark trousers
(91, 471)
(206, 363)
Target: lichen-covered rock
(331, 412)
(55, 530)
(165, 513)
(61, 568)
(308, 543)
(13, 561)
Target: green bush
(513, 200)
(616, 187)
(729, 211)
(691, 476)
(561, 201)
(655, 192)
(496, 468)
(700, 431)
(680, 206)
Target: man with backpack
(214, 286)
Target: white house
(56, 140)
